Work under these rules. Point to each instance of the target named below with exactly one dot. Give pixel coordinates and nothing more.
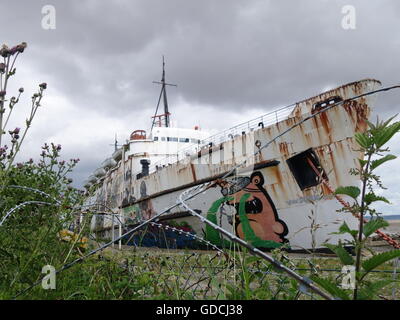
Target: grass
(143, 273)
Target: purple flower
(13, 50)
(2, 67)
(4, 51)
(21, 47)
(21, 90)
(16, 130)
(2, 93)
(43, 85)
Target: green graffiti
(214, 236)
(132, 212)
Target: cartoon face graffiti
(257, 218)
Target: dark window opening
(303, 171)
(324, 104)
(155, 138)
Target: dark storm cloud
(223, 53)
(230, 56)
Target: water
(392, 217)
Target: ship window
(173, 139)
(155, 138)
(194, 140)
(162, 138)
(303, 172)
(183, 139)
(324, 104)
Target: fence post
(112, 229)
(120, 232)
(394, 277)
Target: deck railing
(265, 120)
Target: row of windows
(175, 139)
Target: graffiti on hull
(256, 219)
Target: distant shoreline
(388, 217)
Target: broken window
(303, 171)
(326, 103)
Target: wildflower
(16, 130)
(4, 51)
(59, 147)
(21, 90)
(21, 47)
(2, 93)
(43, 85)
(20, 165)
(2, 67)
(13, 50)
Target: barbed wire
(23, 204)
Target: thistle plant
(7, 106)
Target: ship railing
(260, 122)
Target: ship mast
(162, 119)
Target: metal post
(122, 193)
(120, 232)
(112, 229)
(394, 277)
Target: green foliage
(29, 237)
(372, 197)
(331, 288)
(371, 143)
(371, 289)
(342, 254)
(376, 163)
(385, 133)
(350, 191)
(373, 225)
(379, 259)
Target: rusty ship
(279, 201)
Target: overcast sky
(232, 61)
